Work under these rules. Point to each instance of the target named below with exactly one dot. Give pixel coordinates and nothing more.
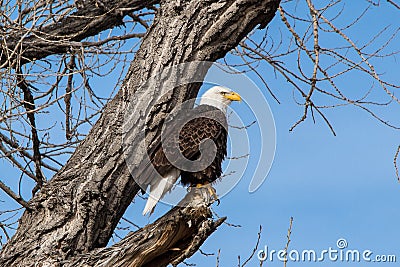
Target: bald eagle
(184, 153)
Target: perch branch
(169, 240)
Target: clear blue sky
(334, 187)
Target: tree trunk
(77, 211)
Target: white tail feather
(159, 189)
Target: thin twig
(14, 196)
(218, 256)
(255, 248)
(29, 105)
(395, 163)
(288, 241)
(67, 97)
(394, 4)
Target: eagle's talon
(214, 195)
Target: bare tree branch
(289, 232)
(394, 4)
(396, 156)
(170, 239)
(29, 105)
(17, 198)
(253, 252)
(59, 36)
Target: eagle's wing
(196, 125)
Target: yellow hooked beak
(232, 96)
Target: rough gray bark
(79, 208)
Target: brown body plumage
(208, 123)
(193, 146)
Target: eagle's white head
(219, 97)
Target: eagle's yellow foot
(211, 190)
(199, 185)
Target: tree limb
(57, 38)
(14, 196)
(29, 105)
(171, 239)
